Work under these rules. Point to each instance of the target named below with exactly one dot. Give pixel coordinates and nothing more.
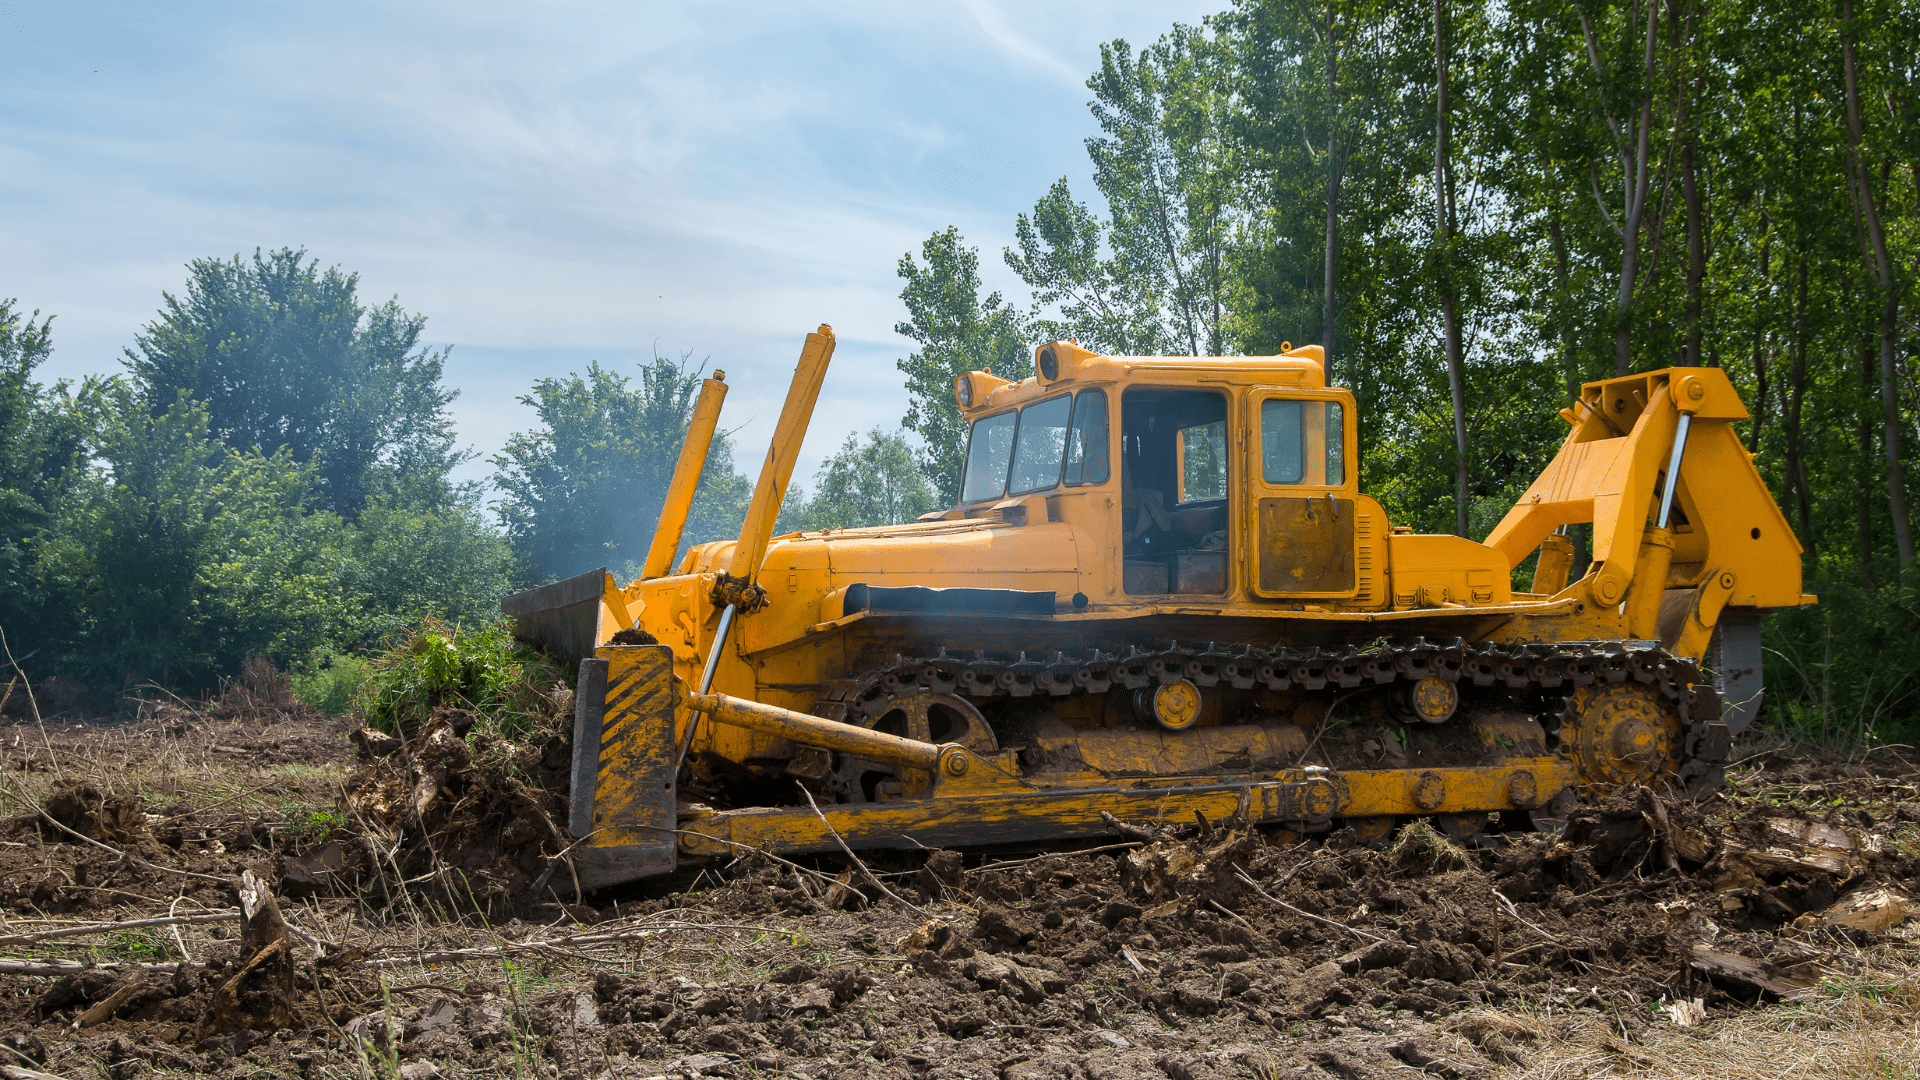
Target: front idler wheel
(1622, 733)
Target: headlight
(963, 391)
(1049, 364)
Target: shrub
(330, 681)
(511, 689)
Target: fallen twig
(1277, 902)
(104, 1009)
(1131, 832)
(490, 951)
(15, 1072)
(559, 859)
(24, 966)
(1512, 911)
(1128, 846)
(52, 758)
(1291, 874)
(1234, 915)
(749, 849)
(877, 883)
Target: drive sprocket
(923, 716)
(1622, 733)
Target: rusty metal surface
(1306, 545)
(564, 616)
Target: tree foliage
(142, 540)
(872, 481)
(957, 331)
(284, 356)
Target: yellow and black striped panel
(633, 792)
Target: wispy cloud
(987, 17)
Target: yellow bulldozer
(1160, 594)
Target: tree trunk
(1796, 464)
(1633, 144)
(1889, 295)
(1335, 171)
(1569, 364)
(1443, 227)
(1863, 501)
(1759, 343)
(1696, 254)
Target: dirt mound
(260, 694)
(92, 813)
(449, 817)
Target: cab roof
(1062, 365)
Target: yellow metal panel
(1306, 547)
(633, 791)
(1028, 815)
(1435, 571)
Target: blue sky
(550, 183)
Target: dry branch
(34, 966)
(1515, 913)
(105, 928)
(1277, 902)
(104, 1009)
(877, 883)
(491, 951)
(15, 1072)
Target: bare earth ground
(1183, 956)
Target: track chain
(1548, 668)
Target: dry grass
(1867, 1026)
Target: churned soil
(434, 932)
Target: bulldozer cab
(1222, 489)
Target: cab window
(988, 450)
(1303, 442)
(1087, 442)
(1203, 461)
(1040, 446)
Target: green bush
(511, 689)
(1846, 672)
(330, 681)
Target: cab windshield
(1036, 448)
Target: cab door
(1302, 540)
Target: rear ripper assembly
(1157, 593)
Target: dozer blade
(569, 617)
(623, 807)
